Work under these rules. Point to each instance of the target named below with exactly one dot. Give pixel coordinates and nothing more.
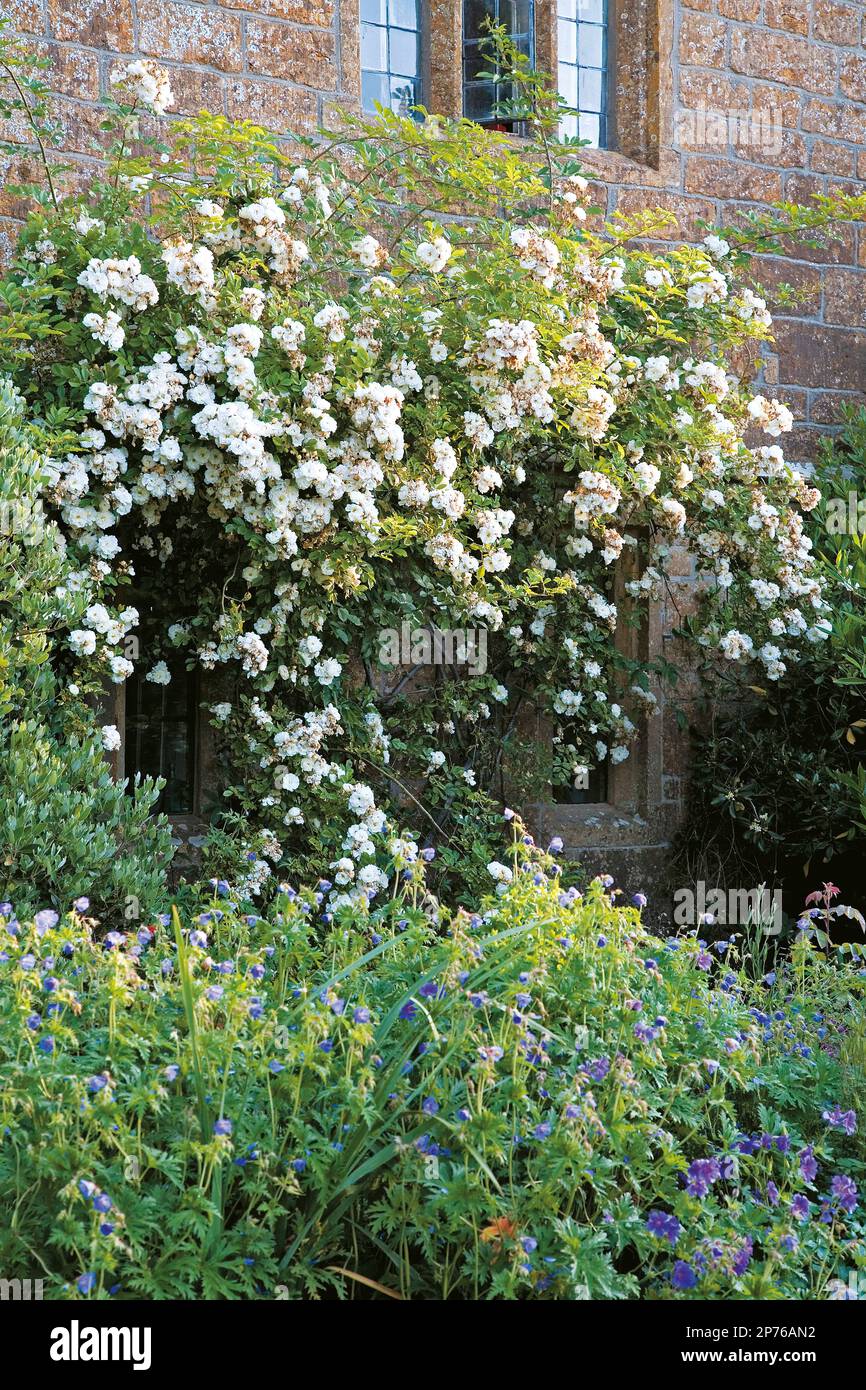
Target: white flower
(326, 672)
(736, 645)
(106, 329)
(773, 417)
(146, 83)
(159, 674)
(83, 641)
(434, 255)
(361, 799)
(717, 246)
(110, 738)
(500, 873)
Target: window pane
(590, 43)
(590, 129)
(404, 95)
(375, 10)
(374, 48)
(403, 14)
(476, 60)
(478, 99)
(475, 12)
(374, 88)
(589, 98)
(567, 42)
(568, 84)
(404, 52)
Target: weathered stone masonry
(719, 107)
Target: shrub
(541, 1100)
(65, 825)
(778, 793)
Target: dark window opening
(481, 95)
(160, 735)
(587, 791)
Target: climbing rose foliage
(394, 379)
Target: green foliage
(782, 792)
(66, 828)
(502, 1105)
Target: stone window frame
(635, 787)
(641, 38)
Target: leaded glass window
(583, 68)
(390, 55)
(481, 95)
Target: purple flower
(214, 993)
(98, 1082)
(800, 1207)
(430, 1105)
(664, 1226)
(86, 1188)
(361, 1015)
(82, 904)
(409, 1010)
(171, 1072)
(701, 1175)
(275, 1067)
(772, 1194)
(542, 1131)
(555, 846)
(299, 1164)
(44, 921)
(85, 1283)
(222, 1128)
(743, 1256)
(639, 900)
(845, 1192)
(808, 1164)
(599, 1069)
(529, 1244)
(46, 1045)
(27, 962)
(683, 1276)
(846, 1120)
(102, 1202)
